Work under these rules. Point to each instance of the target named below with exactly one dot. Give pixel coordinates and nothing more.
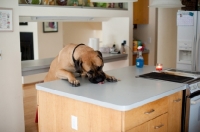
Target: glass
(159, 67)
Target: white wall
(147, 34)
(80, 32)
(49, 43)
(113, 31)
(11, 96)
(167, 37)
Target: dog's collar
(73, 54)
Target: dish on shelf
(33, 1)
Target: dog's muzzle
(97, 78)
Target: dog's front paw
(74, 82)
(111, 79)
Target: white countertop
(123, 95)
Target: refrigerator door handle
(194, 55)
(197, 53)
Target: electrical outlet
(74, 122)
(0, 55)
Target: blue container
(139, 62)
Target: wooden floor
(30, 106)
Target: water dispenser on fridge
(184, 54)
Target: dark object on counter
(61, 2)
(166, 77)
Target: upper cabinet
(141, 12)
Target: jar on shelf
(61, 2)
(48, 2)
(73, 2)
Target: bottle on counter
(122, 51)
(139, 59)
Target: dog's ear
(78, 65)
(99, 53)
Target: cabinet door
(141, 12)
(158, 124)
(140, 128)
(174, 117)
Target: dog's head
(91, 63)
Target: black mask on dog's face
(96, 76)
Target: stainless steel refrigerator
(188, 40)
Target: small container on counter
(159, 67)
(139, 59)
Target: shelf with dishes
(73, 4)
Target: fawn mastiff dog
(78, 58)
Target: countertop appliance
(188, 40)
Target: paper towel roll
(94, 43)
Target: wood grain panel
(159, 124)
(91, 118)
(174, 110)
(141, 12)
(137, 116)
(140, 128)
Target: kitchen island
(132, 104)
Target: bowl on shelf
(37, 2)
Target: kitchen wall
(80, 32)
(167, 37)
(147, 33)
(49, 43)
(114, 32)
(11, 95)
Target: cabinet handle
(177, 100)
(149, 112)
(157, 127)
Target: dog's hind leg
(63, 74)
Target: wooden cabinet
(141, 12)
(163, 115)
(174, 110)
(140, 128)
(158, 124)
(145, 56)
